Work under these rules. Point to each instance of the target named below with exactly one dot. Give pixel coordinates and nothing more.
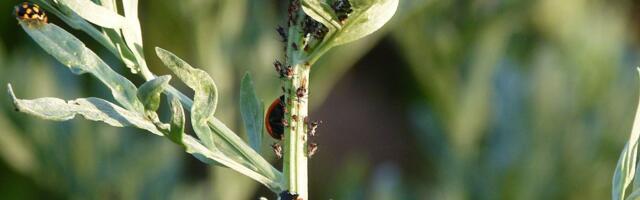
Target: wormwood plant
(313, 27)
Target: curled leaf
(149, 92)
(206, 94)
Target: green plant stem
(295, 140)
(296, 88)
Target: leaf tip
(10, 91)
(13, 97)
(164, 78)
(160, 51)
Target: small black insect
(293, 8)
(278, 65)
(342, 9)
(314, 28)
(312, 149)
(301, 91)
(313, 126)
(282, 33)
(288, 72)
(294, 118)
(286, 195)
(277, 149)
(30, 13)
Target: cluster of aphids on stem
(312, 34)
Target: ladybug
(274, 118)
(31, 13)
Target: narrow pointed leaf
(133, 34)
(205, 97)
(251, 109)
(210, 155)
(149, 92)
(101, 16)
(94, 109)
(100, 110)
(177, 121)
(72, 53)
(109, 38)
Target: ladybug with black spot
(30, 13)
(274, 118)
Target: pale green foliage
(204, 99)
(111, 39)
(252, 112)
(176, 132)
(96, 14)
(94, 109)
(72, 53)
(149, 92)
(626, 168)
(121, 34)
(133, 35)
(368, 16)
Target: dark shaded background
(463, 99)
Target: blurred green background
(461, 99)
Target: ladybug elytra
(30, 13)
(274, 118)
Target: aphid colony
(313, 33)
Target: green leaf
(94, 109)
(320, 11)
(207, 126)
(109, 4)
(72, 53)
(177, 121)
(100, 110)
(251, 109)
(133, 34)
(209, 156)
(233, 146)
(149, 92)
(206, 94)
(626, 167)
(94, 13)
(367, 17)
(76, 22)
